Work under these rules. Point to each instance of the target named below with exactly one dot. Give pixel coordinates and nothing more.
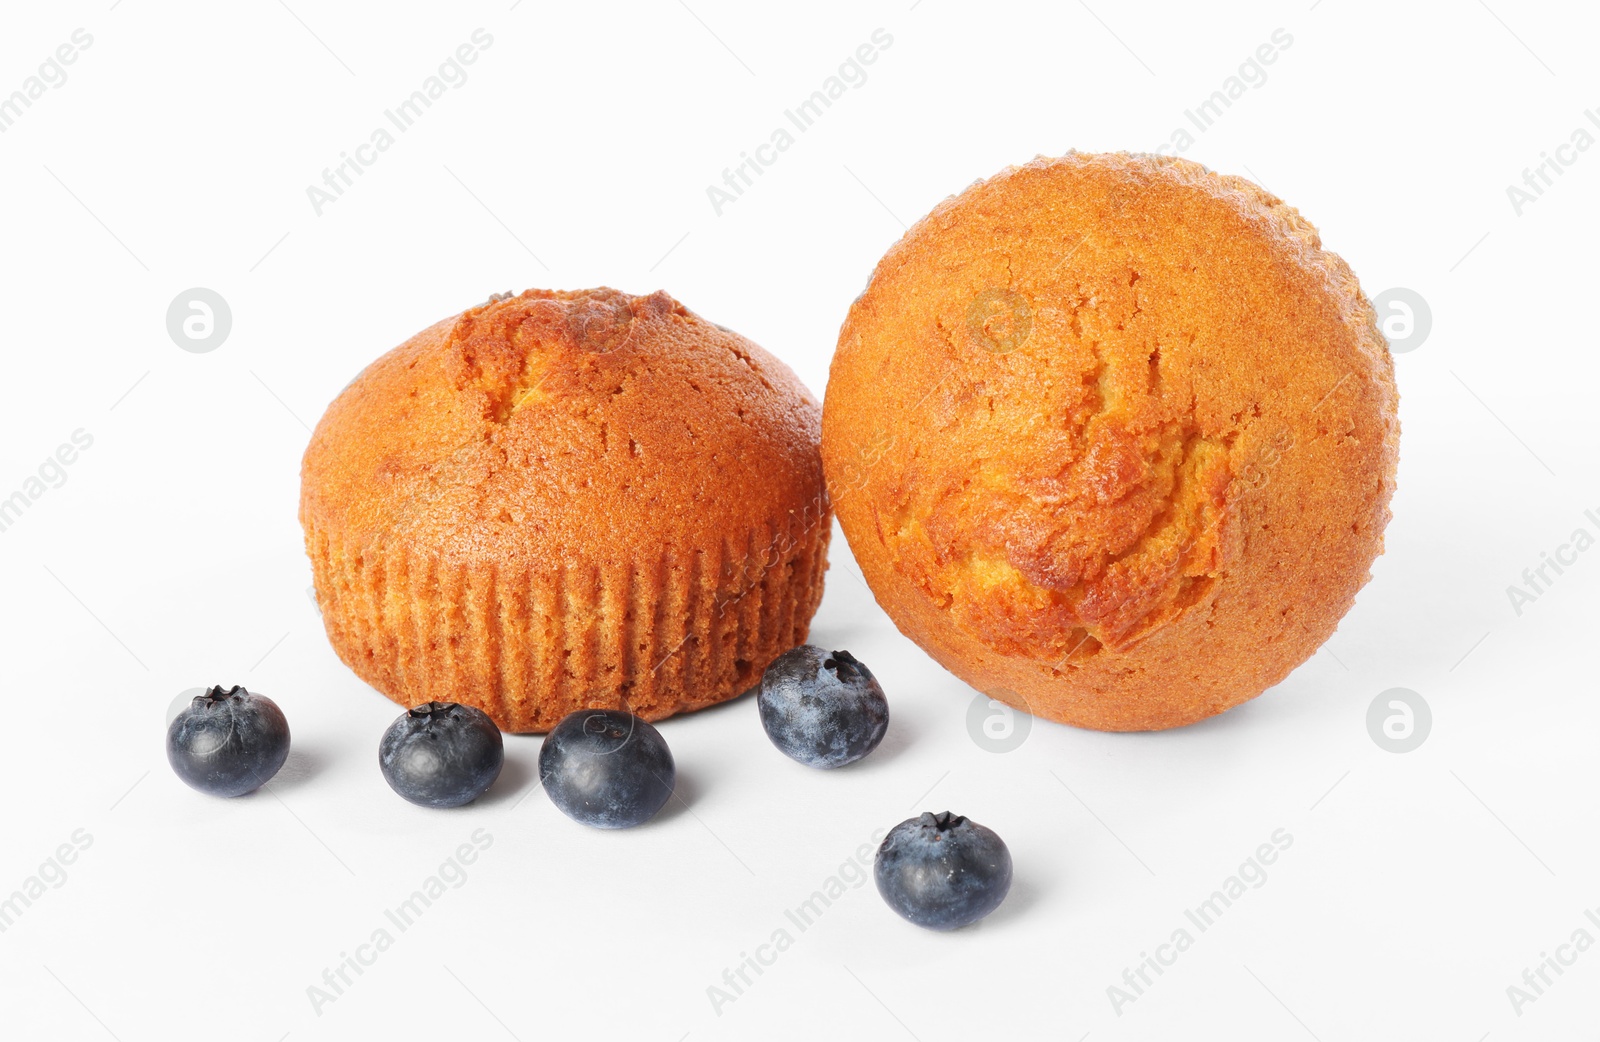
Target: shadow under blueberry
(302, 765)
(1020, 900)
(684, 793)
(897, 741)
(519, 774)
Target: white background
(177, 154)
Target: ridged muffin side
(564, 501)
(658, 637)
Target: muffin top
(554, 424)
(1098, 393)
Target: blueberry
(228, 743)
(606, 768)
(942, 871)
(441, 754)
(822, 707)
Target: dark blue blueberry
(606, 768)
(942, 871)
(441, 754)
(822, 707)
(228, 743)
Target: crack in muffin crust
(566, 500)
(1131, 406)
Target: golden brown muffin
(1113, 439)
(568, 500)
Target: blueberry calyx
(846, 666)
(942, 821)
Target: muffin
(1113, 438)
(568, 500)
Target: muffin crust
(1113, 438)
(566, 500)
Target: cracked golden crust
(1113, 438)
(562, 500)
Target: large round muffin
(1113, 438)
(568, 500)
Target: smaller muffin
(568, 500)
